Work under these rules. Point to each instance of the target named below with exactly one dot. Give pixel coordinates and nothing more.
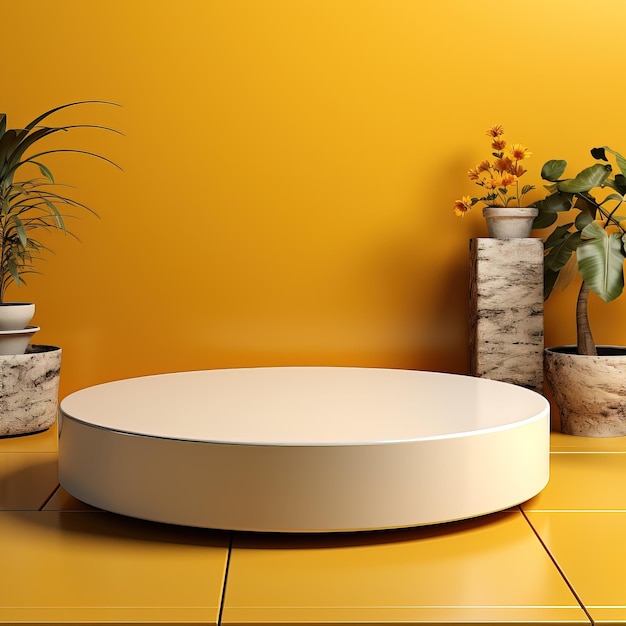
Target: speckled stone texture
(29, 390)
(506, 310)
(589, 391)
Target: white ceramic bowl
(16, 341)
(16, 315)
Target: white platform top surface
(304, 405)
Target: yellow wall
(290, 167)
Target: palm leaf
(31, 206)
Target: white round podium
(304, 449)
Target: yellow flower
(495, 131)
(461, 207)
(519, 152)
(474, 173)
(499, 143)
(483, 166)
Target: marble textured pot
(29, 390)
(510, 222)
(589, 390)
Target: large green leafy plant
(592, 240)
(29, 206)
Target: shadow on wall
(431, 307)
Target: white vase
(510, 222)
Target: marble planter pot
(29, 390)
(589, 390)
(510, 222)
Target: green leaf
(619, 159)
(566, 274)
(544, 219)
(43, 116)
(31, 205)
(560, 254)
(14, 271)
(59, 151)
(599, 154)
(620, 183)
(21, 232)
(44, 170)
(549, 279)
(586, 180)
(555, 203)
(583, 219)
(553, 170)
(585, 202)
(557, 236)
(601, 262)
(549, 208)
(58, 218)
(25, 141)
(9, 140)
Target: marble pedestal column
(506, 310)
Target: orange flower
(461, 207)
(519, 152)
(499, 143)
(507, 180)
(518, 170)
(503, 164)
(495, 131)
(498, 177)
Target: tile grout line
(226, 570)
(43, 506)
(558, 567)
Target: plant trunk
(586, 344)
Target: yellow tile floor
(559, 558)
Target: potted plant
(502, 194)
(586, 381)
(29, 206)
